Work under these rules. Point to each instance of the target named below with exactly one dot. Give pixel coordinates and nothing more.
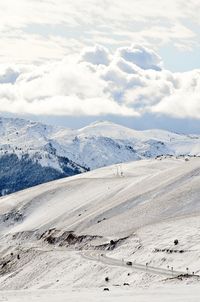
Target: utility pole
(117, 170)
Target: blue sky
(135, 62)
(176, 60)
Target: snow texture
(67, 236)
(32, 153)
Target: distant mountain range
(32, 153)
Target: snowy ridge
(21, 136)
(66, 152)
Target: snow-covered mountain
(72, 233)
(32, 153)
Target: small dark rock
(175, 241)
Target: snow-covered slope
(57, 152)
(148, 190)
(76, 231)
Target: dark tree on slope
(18, 174)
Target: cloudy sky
(135, 62)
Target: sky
(134, 62)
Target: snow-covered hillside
(75, 232)
(47, 153)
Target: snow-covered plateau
(32, 153)
(132, 228)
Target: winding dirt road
(100, 257)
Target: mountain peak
(65, 151)
(102, 122)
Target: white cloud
(182, 102)
(53, 28)
(65, 105)
(132, 83)
(141, 56)
(97, 55)
(179, 105)
(9, 74)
